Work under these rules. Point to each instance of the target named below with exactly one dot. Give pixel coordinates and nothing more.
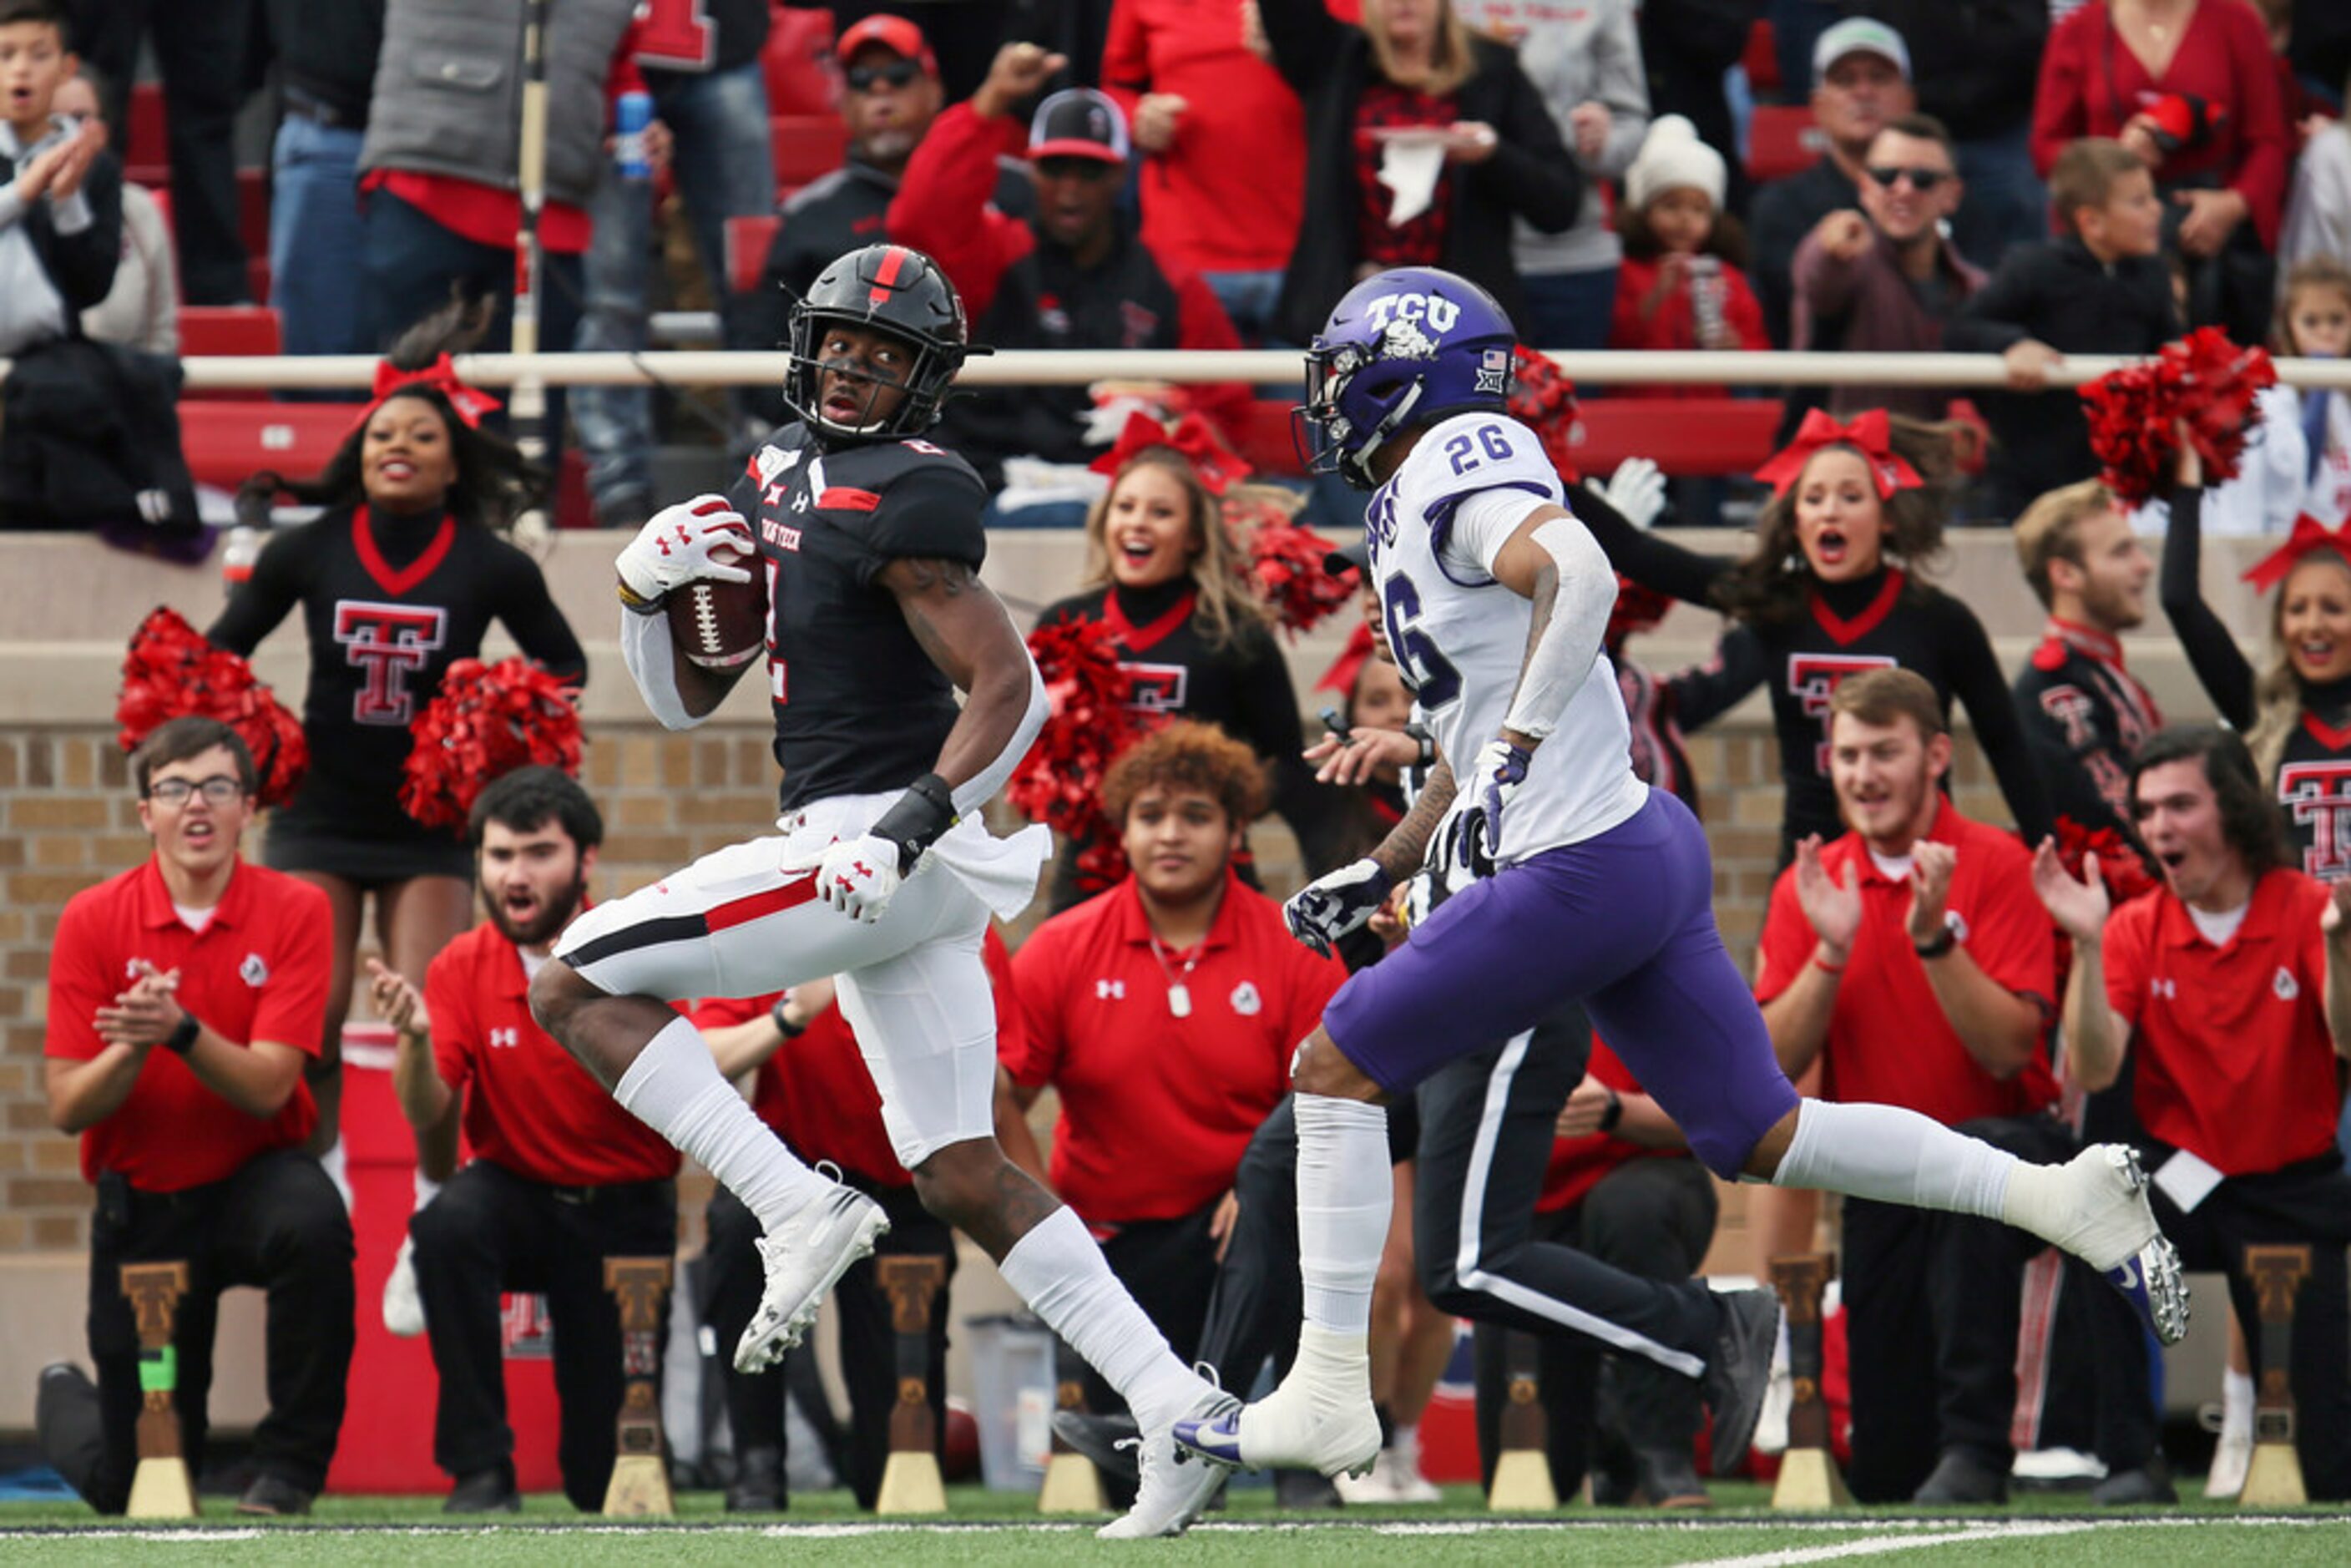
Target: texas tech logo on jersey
(1813, 679)
(2318, 796)
(1155, 688)
(387, 641)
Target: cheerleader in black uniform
(398, 578)
(1162, 574)
(1818, 599)
(2297, 713)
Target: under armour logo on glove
(693, 541)
(859, 877)
(1330, 906)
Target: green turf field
(991, 1528)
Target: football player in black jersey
(870, 543)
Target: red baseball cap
(896, 34)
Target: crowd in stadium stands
(2153, 960)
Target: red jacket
(1672, 327)
(2090, 84)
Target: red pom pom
(2204, 384)
(1059, 783)
(1286, 566)
(170, 672)
(1637, 609)
(1543, 401)
(488, 721)
(2119, 861)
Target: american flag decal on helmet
(1494, 372)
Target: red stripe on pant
(742, 911)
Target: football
(719, 625)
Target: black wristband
(1419, 732)
(916, 819)
(182, 1038)
(784, 1026)
(1944, 940)
(1614, 1114)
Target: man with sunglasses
(1886, 279)
(1075, 275)
(185, 997)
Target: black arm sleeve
(256, 606)
(1269, 724)
(1652, 562)
(1975, 680)
(1704, 693)
(2221, 666)
(1307, 40)
(529, 611)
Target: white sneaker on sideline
(1400, 1461)
(404, 1308)
(804, 1258)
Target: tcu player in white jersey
(1590, 885)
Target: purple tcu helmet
(1405, 347)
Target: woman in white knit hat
(1681, 286)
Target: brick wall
(70, 822)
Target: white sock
(427, 1189)
(674, 1087)
(1894, 1156)
(2236, 1404)
(1345, 1190)
(1060, 1273)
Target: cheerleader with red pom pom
(1191, 629)
(399, 578)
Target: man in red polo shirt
(2231, 986)
(185, 999)
(560, 1177)
(812, 1088)
(1910, 957)
(1166, 1012)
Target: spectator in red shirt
(1166, 1012)
(1910, 957)
(1224, 145)
(185, 998)
(809, 1083)
(2231, 984)
(2190, 87)
(1074, 276)
(1630, 1422)
(561, 1177)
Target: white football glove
(1637, 491)
(1333, 904)
(693, 540)
(858, 875)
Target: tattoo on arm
(1400, 854)
(921, 582)
(1541, 603)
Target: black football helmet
(887, 289)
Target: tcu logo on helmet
(1813, 679)
(2318, 796)
(387, 640)
(1437, 311)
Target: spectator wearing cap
(1886, 279)
(1223, 145)
(1861, 83)
(1976, 66)
(1585, 60)
(2193, 92)
(1412, 104)
(1075, 275)
(891, 92)
(710, 89)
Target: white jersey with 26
(1459, 637)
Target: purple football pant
(1623, 922)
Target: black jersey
(389, 604)
(2086, 716)
(1242, 686)
(1879, 620)
(2313, 790)
(860, 709)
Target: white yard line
(1878, 1546)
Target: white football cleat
(805, 1257)
(1173, 1486)
(403, 1307)
(2116, 1233)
